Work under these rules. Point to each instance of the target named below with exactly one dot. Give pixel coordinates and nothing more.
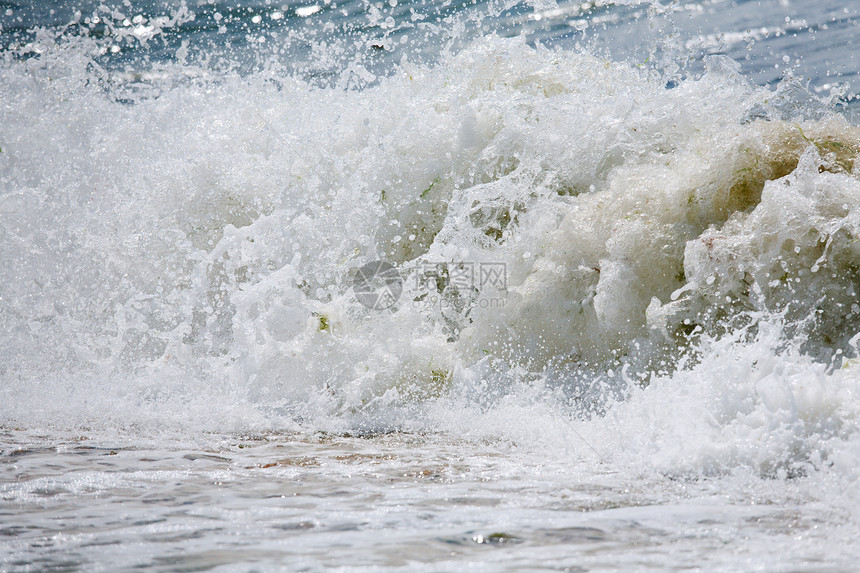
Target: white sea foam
(190, 258)
(627, 315)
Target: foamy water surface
(429, 286)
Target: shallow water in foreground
(400, 501)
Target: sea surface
(429, 286)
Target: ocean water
(429, 286)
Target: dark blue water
(814, 43)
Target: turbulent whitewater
(619, 283)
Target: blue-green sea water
(318, 41)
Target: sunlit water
(402, 501)
(623, 325)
